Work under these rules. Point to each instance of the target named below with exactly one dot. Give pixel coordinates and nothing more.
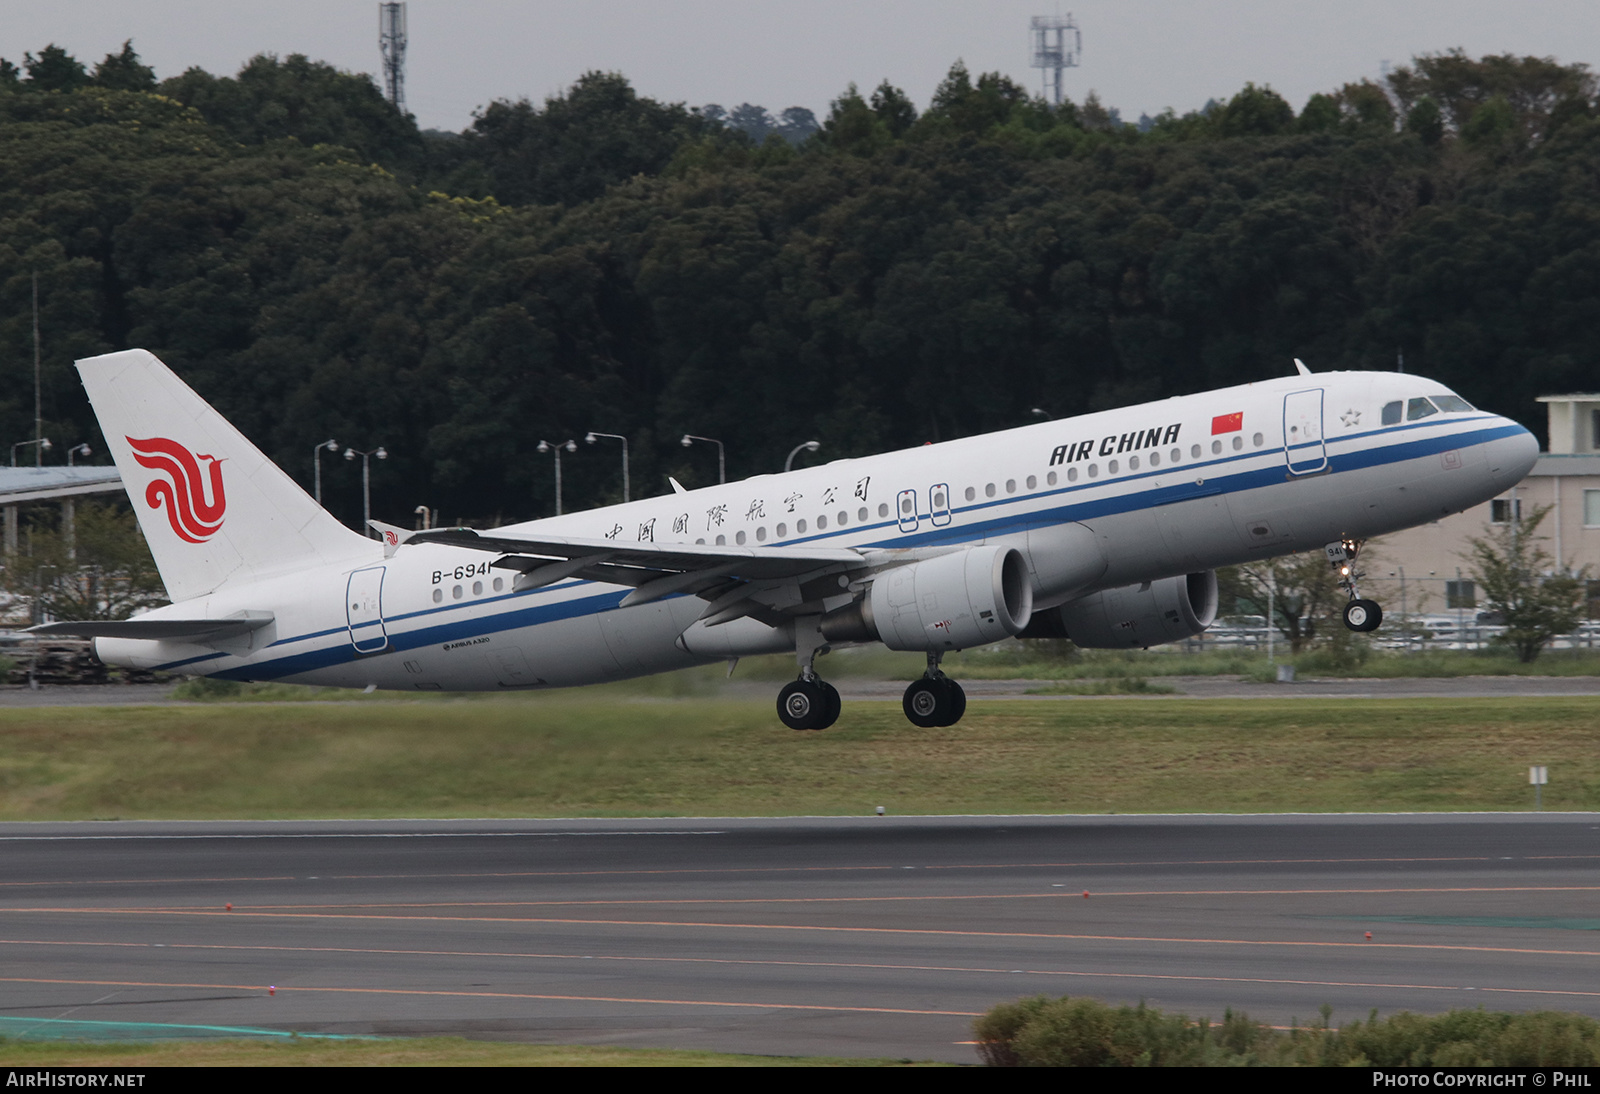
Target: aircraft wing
(769, 583)
(168, 630)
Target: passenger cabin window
(1419, 408)
(1391, 413)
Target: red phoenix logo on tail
(183, 491)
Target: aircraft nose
(1512, 457)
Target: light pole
(69, 507)
(593, 437)
(808, 446)
(329, 445)
(722, 466)
(366, 483)
(42, 442)
(570, 446)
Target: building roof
(1561, 464)
(20, 484)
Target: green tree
(124, 71)
(600, 133)
(1426, 121)
(894, 109)
(1303, 591)
(1523, 586)
(1256, 111)
(54, 70)
(300, 99)
(97, 568)
(1534, 88)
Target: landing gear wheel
(1363, 615)
(832, 705)
(804, 704)
(926, 702)
(958, 702)
(934, 701)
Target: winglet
(393, 536)
(677, 487)
(1300, 366)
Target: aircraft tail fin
(211, 505)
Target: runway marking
(358, 835)
(739, 870)
(285, 989)
(770, 870)
(258, 909)
(873, 966)
(921, 931)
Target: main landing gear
(1359, 615)
(809, 702)
(812, 703)
(935, 699)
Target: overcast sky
(1140, 55)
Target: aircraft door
(364, 610)
(939, 504)
(906, 509)
(1303, 444)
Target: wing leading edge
(771, 584)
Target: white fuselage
(1100, 501)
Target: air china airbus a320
(1105, 528)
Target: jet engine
(949, 602)
(1168, 610)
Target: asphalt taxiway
(862, 937)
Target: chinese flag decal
(1227, 423)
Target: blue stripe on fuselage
(342, 653)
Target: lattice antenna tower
(1057, 45)
(392, 44)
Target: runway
(857, 937)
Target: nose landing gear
(1359, 614)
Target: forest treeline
(317, 266)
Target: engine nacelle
(950, 602)
(1136, 616)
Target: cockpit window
(1419, 408)
(1451, 404)
(1391, 413)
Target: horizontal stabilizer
(159, 630)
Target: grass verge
(581, 754)
(1078, 1032)
(414, 1052)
